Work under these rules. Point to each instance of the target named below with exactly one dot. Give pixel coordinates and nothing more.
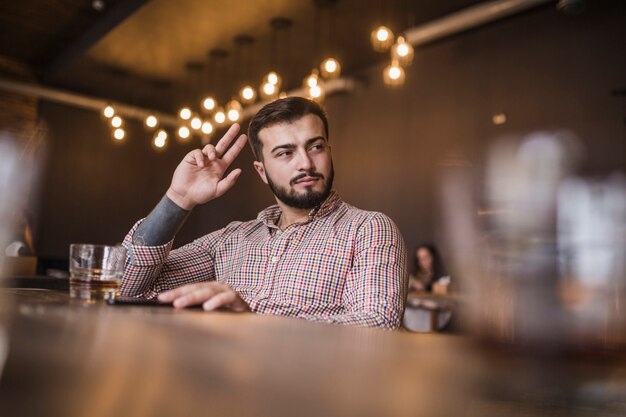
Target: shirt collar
(270, 215)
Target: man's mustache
(306, 174)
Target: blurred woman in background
(427, 268)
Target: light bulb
(312, 80)
(233, 110)
(183, 132)
(219, 116)
(160, 140)
(209, 103)
(402, 52)
(393, 75)
(184, 113)
(382, 38)
(315, 91)
(272, 77)
(108, 112)
(152, 121)
(247, 94)
(318, 91)
(119, 134)
(331, 68)
(196, 123)
(207, 128)
(269, 90)
(116, 121)
(161, 134)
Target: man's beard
(307, 200)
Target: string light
(330, 68)
(317, 91)
(269, 90)
(219, 116)
(247, 94)
(152, 121)
(382, 38)
(207, 128)
(108, 112)
(196, 123)
(312, 79)
(116, 121)
(402, 52)
(185, 113)
(183, 132)
(273, 77)
(233, 110)
(209, 103)
(159, 140)
(119, 134)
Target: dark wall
(545, 70)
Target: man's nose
(305, 163)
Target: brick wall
(18, 114)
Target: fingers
(210, 152)
(234, 150)
(228, 137)
(195, 157)
(227, 183)
(171, 295)
(211, 295)
(219, 300)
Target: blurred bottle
(540, 253)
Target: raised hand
(199, 178)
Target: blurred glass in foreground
(539, 250)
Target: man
(311, 255)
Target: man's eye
(281, 154)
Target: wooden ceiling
(70, 44)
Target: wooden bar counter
(68, 358)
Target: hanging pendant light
(382, 38)
(271, 85)
(330, 68)
(402, 51)
(243, 42)
(393, 75)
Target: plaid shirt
(342, 265)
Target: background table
(67, 358)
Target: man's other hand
(212, 295)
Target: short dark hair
(284, 110)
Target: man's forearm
(161, 225)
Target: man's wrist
(179, 200)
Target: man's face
(297, 164)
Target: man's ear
(260, 169)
